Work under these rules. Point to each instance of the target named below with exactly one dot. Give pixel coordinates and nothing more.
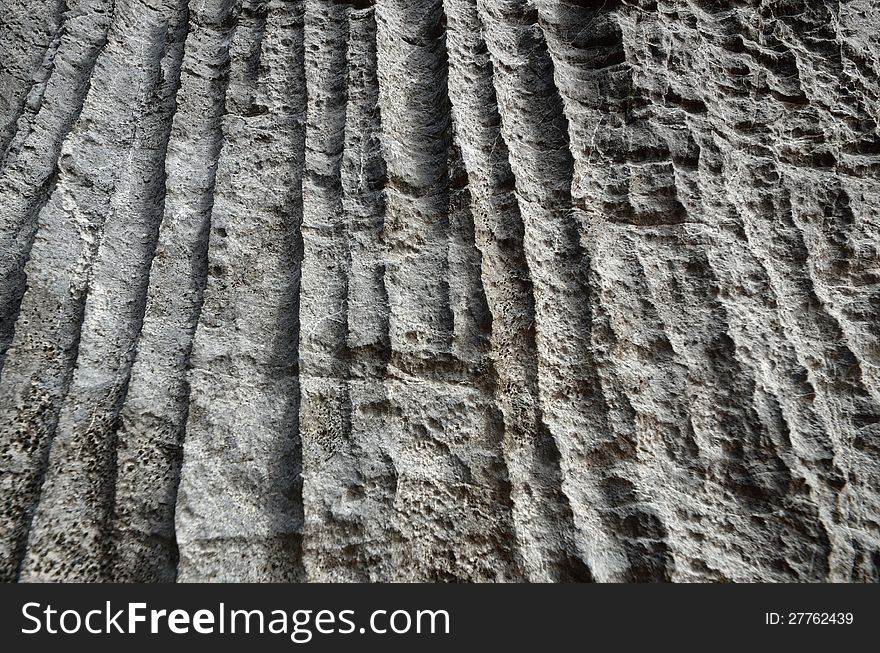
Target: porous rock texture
(440, 290)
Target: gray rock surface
(441, 290)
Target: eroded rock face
(540, 290)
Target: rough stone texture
(444, 290)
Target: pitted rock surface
(439, 290)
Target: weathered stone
(477, 290)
